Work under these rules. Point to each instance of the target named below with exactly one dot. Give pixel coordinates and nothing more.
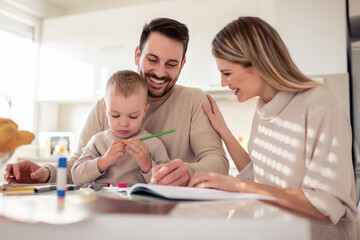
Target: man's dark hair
(168, 27)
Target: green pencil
(151, 136)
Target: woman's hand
(288, 198)
(237, 153)
(214, 180)
(215, 117)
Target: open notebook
(185, 193)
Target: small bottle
(61, 178)
(47, 149)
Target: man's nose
(160, 71)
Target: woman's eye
(226, 74)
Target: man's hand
(140, 152)
(174, 173)
(26, 172)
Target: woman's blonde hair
(250, 41)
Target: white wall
(314, 31)
(107, 39)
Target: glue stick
(61, 178)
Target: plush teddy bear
(11, 137)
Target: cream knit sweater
(85, 169)
(303, 141)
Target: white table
(46, 218)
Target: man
(195, 146)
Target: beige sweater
(303, 141)
(85, 169)
(195, 141)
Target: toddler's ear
(146, 108)
(104, 104)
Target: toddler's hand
(140, 152)
(110, 158)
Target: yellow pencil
(17, 189)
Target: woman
(300, 143)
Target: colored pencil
(152, 136)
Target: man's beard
(171, 84)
